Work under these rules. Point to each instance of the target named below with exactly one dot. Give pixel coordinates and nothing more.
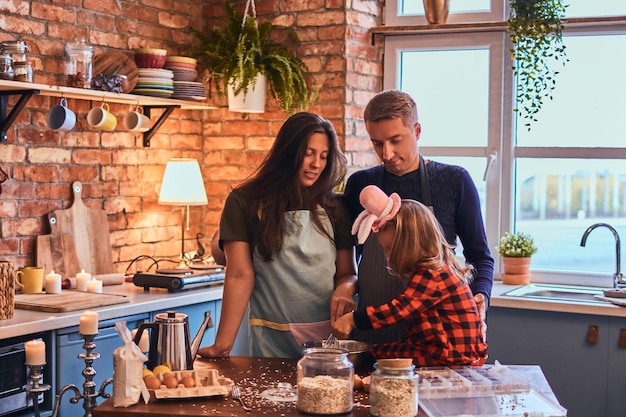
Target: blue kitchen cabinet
(616, 402)
(69, 368)
(577, 353)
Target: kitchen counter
(254, 375)
(599, 309)
(26, 321)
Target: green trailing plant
(516, 245)
(535, 28)
(233, 54)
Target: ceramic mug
(61, 117)
(136, 121)
(101, 118)
(30, 279)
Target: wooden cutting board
(89, 229)
(67, 300)
(112, 61)
(57, 252)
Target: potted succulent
(233, 56)
(535, 28)
(516, 250)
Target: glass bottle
(6, 67)
(79, 64)
(17, 50)
(325, 381)
(393, 391)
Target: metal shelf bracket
(146, 109)
(6, 120)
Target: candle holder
(34, 388)
(89, 394)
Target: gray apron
(290, 303)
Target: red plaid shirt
(443, 324)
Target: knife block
(7, 290)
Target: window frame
(500, 187)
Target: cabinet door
(69, 368)
(195, 317)
(575, 368)
(617, 368)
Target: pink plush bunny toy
(379, 209)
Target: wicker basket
(7, 290)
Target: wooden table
(254, 375)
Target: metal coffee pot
(169, 340)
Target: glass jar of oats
(393, 389)
(325, 381)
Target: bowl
(358, 352)
(149, 60)
(151, 51)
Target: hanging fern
(234, 54)
(535, 28)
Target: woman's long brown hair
(275, 187)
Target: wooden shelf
(27, 90)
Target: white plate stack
(185, 74)
(155, 82)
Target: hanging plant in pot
(516, 250)
(535, 28)
(241, 57)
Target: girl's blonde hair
(419, 243)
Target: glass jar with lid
(325, 381)
(17, 50)
(78, 64)
(23, 71)
(6, 67)
(393, 388)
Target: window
(565, 174)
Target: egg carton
(209, 383)
(461, 381)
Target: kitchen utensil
(61, 117)
(89, 229)
(169, 340)
(66, 301)
(102, 118)
(30, 279)
(358, 352)
(57, 250)
(236, 393)
(331, 342)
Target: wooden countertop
(254, 375)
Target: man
(392, 124)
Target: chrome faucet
(617, 276)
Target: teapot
(169, 340)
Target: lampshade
(182, 184)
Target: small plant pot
(516, 271)
(251, 102)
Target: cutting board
(89, 229)
(67, 300)
(112, 61)
(57, 252)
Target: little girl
(443, 324)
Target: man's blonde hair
(392, 104)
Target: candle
(88, 323)
(95, 285)
(35, 352)
(144, 342)
(81, 280)
(52, 283)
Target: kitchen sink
(558, 292)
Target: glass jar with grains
(78, 65)
(393, 389)
(325, 381)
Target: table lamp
(183, 186)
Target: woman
(287, 241)
(443, 326)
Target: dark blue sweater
(456, 205)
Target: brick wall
(121, 176)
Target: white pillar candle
(81, 280)
(35, 352)
(88, 323)
(52, 283)
(144, 342)
(95, 285)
